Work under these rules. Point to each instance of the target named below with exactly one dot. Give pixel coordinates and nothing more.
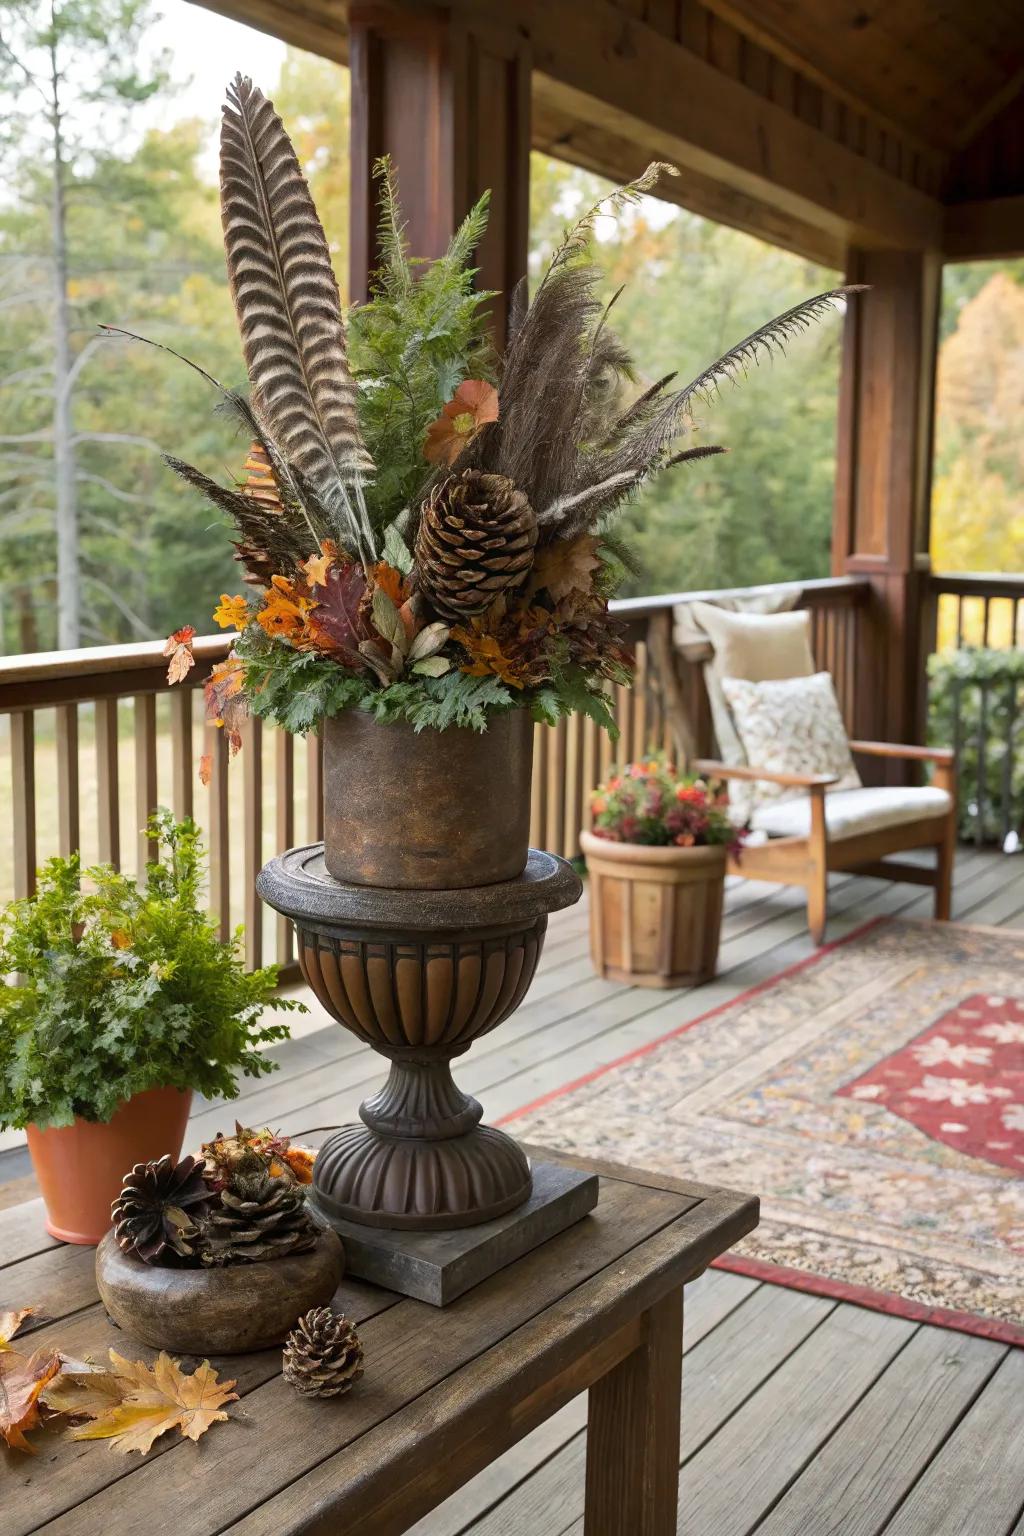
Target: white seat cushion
(849, 812)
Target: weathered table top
(444, 1393)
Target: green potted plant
(119, 1001)
(656, 858)
(425, 527)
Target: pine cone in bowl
(161, 1209)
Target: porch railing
(96, 739)
(980, 704)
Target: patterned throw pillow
(790, 726)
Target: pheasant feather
(288, 306)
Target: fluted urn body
(418, 975)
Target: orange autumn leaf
(206, 768)
(10, 1322)
(232, 612)
(225, 702)
(391, 581)
(473, 405)
(284, 609)
(156, 1399)
(179, 648)
(22, 1379)
(120, 939)
(487, 657)
(300, 1160)
(315, 568)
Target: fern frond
(468, 235)
(395, 274)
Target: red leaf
(179, 648)
(337, 624)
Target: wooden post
(883, 475)
(448, 98)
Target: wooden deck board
(829, 1419)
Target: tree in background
(764, 512)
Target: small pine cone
(322, 1355)
(475, 540)
(160, 1209)
(265, 1219)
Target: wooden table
(445, 1391)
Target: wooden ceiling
(939, 69)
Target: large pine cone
(322, 1355)
(160, 1209)
(476, 539)
(265, 1219)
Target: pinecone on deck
(260, 1218)
(475, 540)
(161, 1207)
(322, 1355)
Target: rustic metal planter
(434, 810)
(225, 1311)
(655, 913)
(418, 975)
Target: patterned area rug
(873, 1096)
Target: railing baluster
(537, 785)
(554, 792)
(590, 774)
(1006, 811)
(571, 819)
(69, 832)
(284, 827)
(979, 830)
(145, 777)
(23, 800)
(959, 621)
(216, 743)
(108, 775)
(182, 769)
(985, 611)
(252, 838)
(640, 739)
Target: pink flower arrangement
(650, 803)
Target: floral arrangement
(650, 803)
(243, 1200)
(114, 987)
(427, 529)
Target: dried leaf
(22, 1379)
(225, 702)
(82, 1394)
(206, 768)
(10, 1322)
(178, 647)
(335, 625)
(156, 1399)
(428, 642)
(474, 404)
(432, 666)
(387, 619)
(316, 567)
(565, 565)
(386, 578)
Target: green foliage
(119, 988)
(572, 693)
(411, 346)
(976, 700)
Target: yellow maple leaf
(79, 1393)
(10, 1322)
(232, 612)
(156, 1399)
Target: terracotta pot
(655, 913)
(438, 810)
(80, 1166)
(216, 1311)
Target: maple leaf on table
(178, 647)
(10, 1322)
(156, 1399)
(22, 1379)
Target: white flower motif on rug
(874, 1099)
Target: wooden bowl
(227, 1311)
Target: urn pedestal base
(418, 975)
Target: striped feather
(287, 300)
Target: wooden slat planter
(655, 913)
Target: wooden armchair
(852, 830)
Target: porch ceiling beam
(613, 72)
(984, 230)
(319, 26)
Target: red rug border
(873, 1300)
(782, 1274)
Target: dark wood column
(883, 476)
(447, 96)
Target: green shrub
(958, 680)
(117, 988)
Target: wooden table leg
(633, 1434)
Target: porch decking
(802, 1416)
